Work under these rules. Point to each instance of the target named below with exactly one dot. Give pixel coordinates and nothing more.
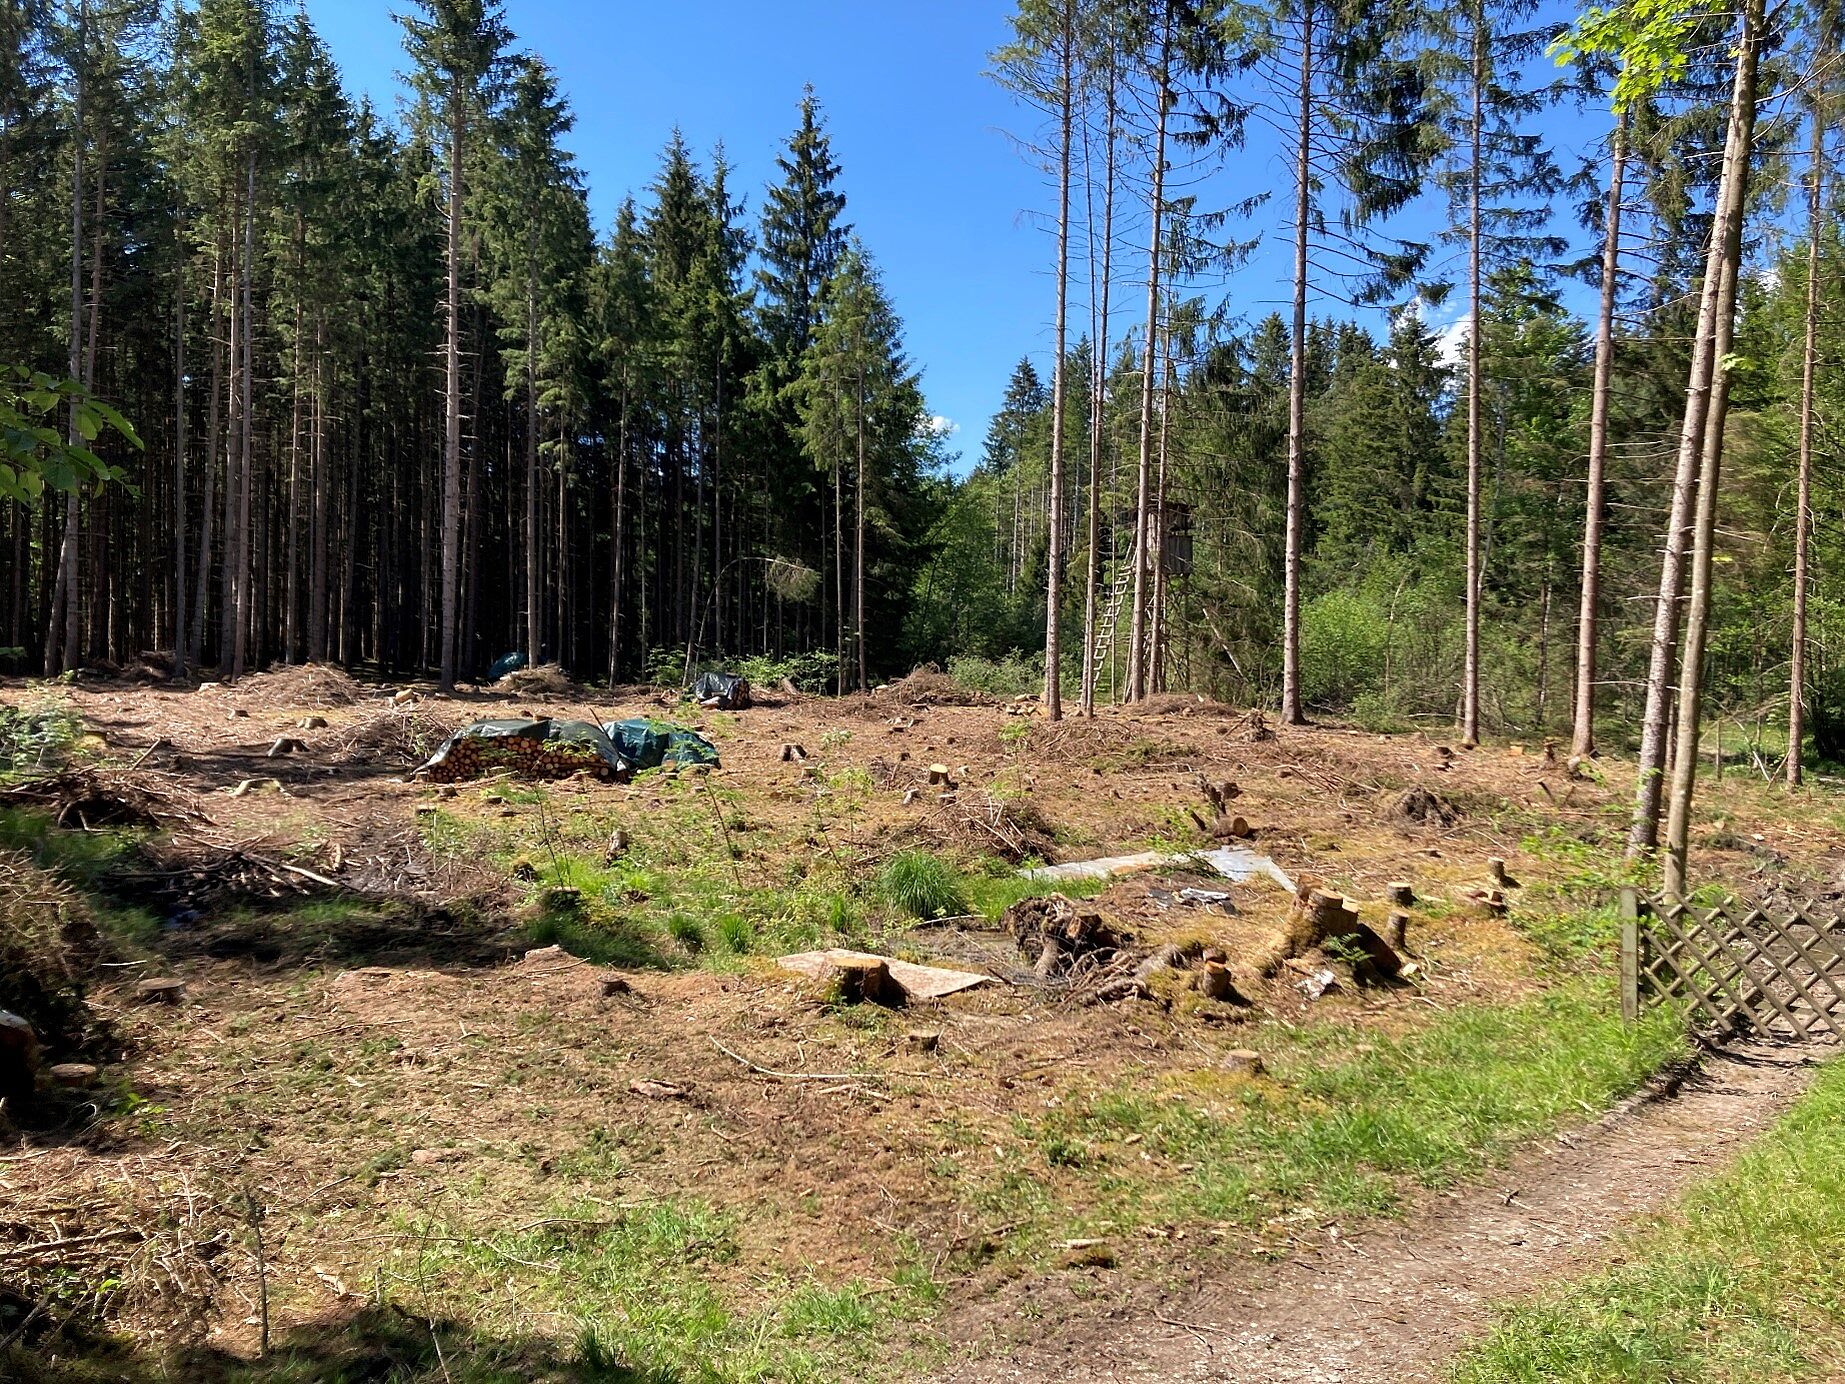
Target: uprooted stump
(1058, 935)
(1420, 807)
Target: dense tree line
(402, 404)
(1546, 523)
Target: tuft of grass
(922, 885)
(1740, 1283)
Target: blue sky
(935, 183)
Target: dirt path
(1397, 1301)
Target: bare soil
(1394, 1302)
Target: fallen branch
(792, 1076)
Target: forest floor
(403, 1124)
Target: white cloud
(943, 427)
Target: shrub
(922, 885)
(1010, 676)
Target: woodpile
(527, 756)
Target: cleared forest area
(504, 1080)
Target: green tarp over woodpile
(648, 744)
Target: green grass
(644, 1293)
(1742, 1283)
(991, 895)
(1344, 1124)
(922, 885)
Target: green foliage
(1008, 676)
(36, 735)
(34, 455)
(922, 885)
(814, 671)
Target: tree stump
(1397, 933)
(1495, 869)
(862, 980)
(1401, 893)
(18, 1057)
(161, 990)
(1317, 916)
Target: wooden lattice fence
(1735, 966)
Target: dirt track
(1396, 1302)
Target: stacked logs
(525, 755)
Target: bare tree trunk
(534, 611)
(179, 473)
(1726, 240)
(246, 605)
(1582, 738)
(1655, 724)
(1053, 598)
(858, 542)
(1293, 712)
(621, 506)
(451, 450)
(1156, 636)
(1470, 672)
(1137, 660)
(292, 585)
(1098, 399)
(208, 512)
(1809, 367)
(322, 484)
(64, 594)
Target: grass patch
(922, 885)
(1741, 1284)
(1346, 1122)
(641, 1293)
(991, 895)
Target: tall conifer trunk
(1582, 738)
(1053, 601)
(1809, 369)
(1137, 652)
(1292, 710)
(1726, 244)
(451, 449)
(1470, 672)
(1656, 723)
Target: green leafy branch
(34, 455)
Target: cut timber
(1380, 958)
(1214, 982)
(161, 990)
(311, 723)
(1231, 827)
(403, 698)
